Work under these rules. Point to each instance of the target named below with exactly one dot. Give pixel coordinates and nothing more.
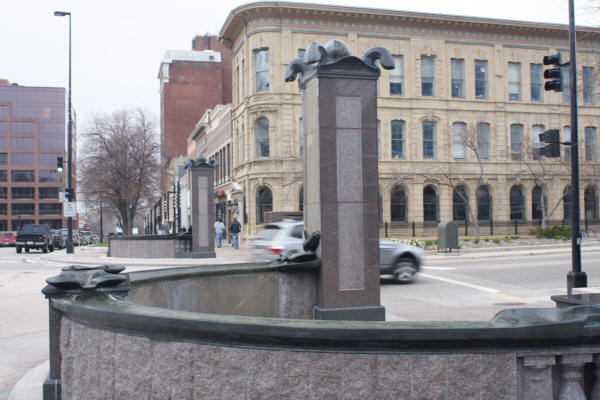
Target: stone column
(203, 209)
(571, 374)
(340, 175)
(536, 382)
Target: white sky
(118, 45)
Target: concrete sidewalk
(29, 387)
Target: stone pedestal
(201, 176)
(341, 201)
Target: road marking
(439, 268)
(504, 296)
(393, 317)
(472, 286)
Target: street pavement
(17, 356)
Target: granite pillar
(201, 184)
(340, 178)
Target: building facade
(458, 117)
(32, 138)
(191, 82)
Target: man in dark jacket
(235, 228)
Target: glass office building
(32, 137)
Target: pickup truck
(32, 236)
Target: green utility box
(447, 236)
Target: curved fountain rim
(549, 327)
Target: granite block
(351, 259)
(348, 112)
(392, 377)
(464, 376)
(349, 166)
(133, 367)
(428, 377)
(171, 372)
(222, 373)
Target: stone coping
(509, 330)
(180, 236)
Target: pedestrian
(219, 230)
(235, 228)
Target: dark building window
(18, 223)
(481, 79)
(52, 223)
(430, 204)
(3, 224)
(427, 76)
(3, 193)
(19, 193)
(3, 158)
(397, 139)
(537, 212)
(460, 202)
(48, 193)
(591, 204)
(568, 203)
(536, 82)
(484, 203)
(49, 176)
(262, 70)
(398, 204)
(23, 209)
(301, 199)
(429, 139)
(517, 203)
(3, 211)
(22, 176)
(3, 175)
(50, 209)
(261, 132)
(264, 203)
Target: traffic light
(69, 194)
(552, 149)
(554, 75)
(59, 164)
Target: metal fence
(486, 228)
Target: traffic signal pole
(576, 277)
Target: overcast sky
(118, 45)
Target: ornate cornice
(298, 16)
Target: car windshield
(268, 233)
(5, 234)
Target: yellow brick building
(462, 87)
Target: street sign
(62, 196)
(70, 209)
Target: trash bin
(447, 236)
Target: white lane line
(438, 268)
(393, 317)
(472, 286)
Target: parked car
(87, 236)
(400, 260)
(59, 239)
(33, 236)
(7, 239)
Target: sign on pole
(70, 209)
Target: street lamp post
(69, 140)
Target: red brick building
(191, 82)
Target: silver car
(400, 260)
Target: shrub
(486, 240)
(552, 232)
(476, 241)
(507, 238)
(496, 240)
(429, 243)
(514, 237)
(467, 240)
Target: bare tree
(467, 142)
(542, 172)
(120, 163)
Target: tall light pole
(69, 142)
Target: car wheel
(26, 249)
(51, 248)
(19, 249)
(405, 270)
(45, 248)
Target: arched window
(430, 204)
(264, 203)
(567, 203)
(537, 212)
(484, 203)
(261, 133)
(591, 204)
(398, 204)
(517, 203)
(380, 203)
(301, 199)
(460, 202)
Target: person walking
(219, 230)
(235, 228)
